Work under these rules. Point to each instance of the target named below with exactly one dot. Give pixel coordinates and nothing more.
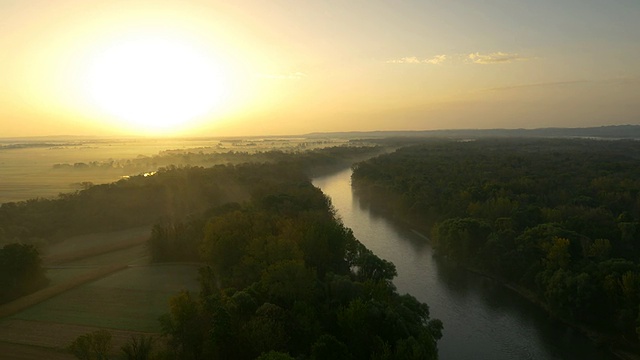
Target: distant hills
(603, 132)
(608, 132)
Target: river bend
(482, 319)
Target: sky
(285, 67)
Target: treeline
(284, 279)
(558, 218)
(195, 157)
(171, 192)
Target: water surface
(482, 319)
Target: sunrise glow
(155, 84)
(292, 67)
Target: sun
(155, 84)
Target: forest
(284, 279)
(171, 191)
(281, 276)
(555, 219)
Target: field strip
(49, 292)
(55, 337)
(27, 352)
(94, 251)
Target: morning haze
(280, 180)
(290, 67)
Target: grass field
(12, 351)
(84, 246)
(98, 281)
(38, 340)
(132, 299)
(37, 297)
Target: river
(482, 319)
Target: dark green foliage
(328, 347)
(175, 240)
(461, 238)
(138, 348)
(186, 326)
(283, 276)
(274, 355)
(172, 192)
(92, 346)
(21, 271)
(558, 218)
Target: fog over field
(46, 167)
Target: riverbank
(386, 203)
(482, 319)
(616, 346)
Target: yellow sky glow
(248, 67)
(154, 83)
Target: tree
(185, 326)
(138, 348)
(92, 346)
(21, 271)
(274, 355)
(558, 253)
(328, 347)
(268, 329)
(461, 238)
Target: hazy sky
(255, 67)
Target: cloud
(288, 76)
(494, 58)
(436, 60)
(405, 60)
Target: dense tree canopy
(174, 197)
(20, 271)
(283, 278)
(169, 192)
(558, 217)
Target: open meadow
(131, 299)
(97, 281)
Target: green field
(83, 243)
(125, 302)
(131, 299)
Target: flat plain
(47, 167)
(118, 290)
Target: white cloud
(473, 58)
(436, 60)
(405, 60)
(494, 58)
